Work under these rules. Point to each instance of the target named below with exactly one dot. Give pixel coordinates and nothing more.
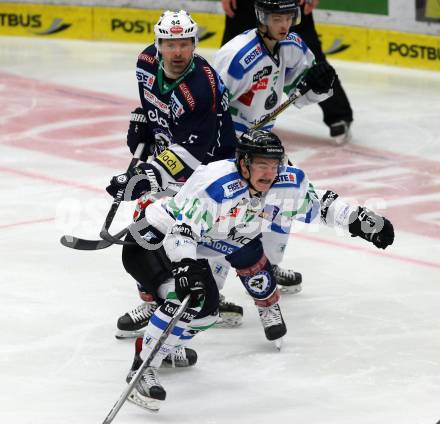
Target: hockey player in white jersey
(257, 67)
(219, 214)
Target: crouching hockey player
(201, 224)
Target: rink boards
(136, 25)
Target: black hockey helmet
(263, 8)
(259, 143)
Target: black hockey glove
(320, 77)
(371, 227)
(138, 133)
(147, 179)
(189, 275)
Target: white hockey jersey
(256, 79)
(215, 209)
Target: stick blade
(82, 244)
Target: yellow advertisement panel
(380, 46)
(341, 42)
(409, 50)
(46, 21)
(137, 25)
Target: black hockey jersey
(188, 118)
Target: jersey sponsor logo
(286, 178)
(171, 162)
(246, 98)
(211, 80)
(250, 56)
(235, 236)
(145, 78)
(218, 246)
(261, 84)
(231, 187)
(184, 230)
(271, 101)
(267, 70)
(186, 93)
(147, 58)
(294, 37)
(176, 107)
(153, 116)
(151, 98)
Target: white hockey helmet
(175, 25)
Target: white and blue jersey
(256, 79)
(215, 209)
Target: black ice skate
(273, 323)
(181, 357)
(288, 280)
(148, 392)
(231, 315)
(133, 323)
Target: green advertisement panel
(377, 7)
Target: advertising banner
(428, 11)
(137, 25)
(46, 21)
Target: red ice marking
(19, 224)
(64, 121)
(409, 186)
(47, 178)
(376, 252)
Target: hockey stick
(83, 244)
(126, 393)
(115, 205)
(301, 89)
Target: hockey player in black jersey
(185, 122)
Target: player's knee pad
(149, 268)
(255, 272)
(260, 282)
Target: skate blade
(149, 404)
(229, 321)
(278, 344)
(290, 289)
(124, 334)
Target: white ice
(363, 337)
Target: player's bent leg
(230, 314)
(148, 393)
(274, 244)
(255, 272)
(149, 268)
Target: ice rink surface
(363, 341)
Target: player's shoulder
(223, 182)
(289, 177)
(242, 53)
(293, 40)
(148, 57)
(200, 88)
